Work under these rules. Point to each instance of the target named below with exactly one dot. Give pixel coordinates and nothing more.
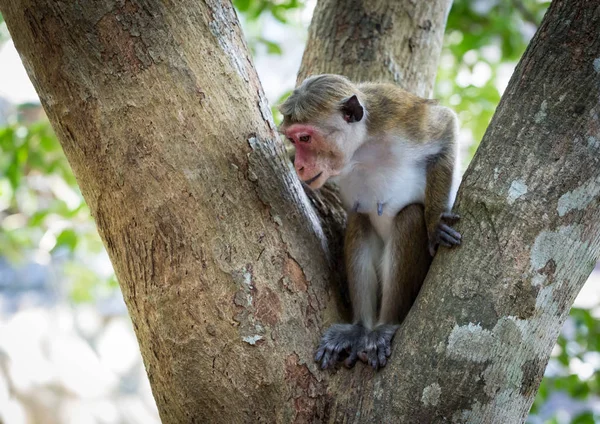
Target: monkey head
(325, 120)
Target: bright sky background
(14, 82)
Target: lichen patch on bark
(541, 113)
(517, 189)
(252, 340)
(471, 342)
(431, 394)
(580, 198)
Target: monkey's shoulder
(393, 110)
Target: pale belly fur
(396, 178)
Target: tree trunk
(377, 40)
(224, 265)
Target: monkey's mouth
(313, 179)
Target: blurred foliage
(252, 10)
(42, 211)
(574, 365)
(253, 14)
(43, 216)
(484, 41)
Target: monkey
(392, 155)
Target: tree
(224, 264)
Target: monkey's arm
(442, 128)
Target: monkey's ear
(352, 109)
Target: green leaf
(13, 173)
(112, 282)
(242, 5)
(279, 14)
(272, 47)
(67, 238)
(38, 218)
(585, 418)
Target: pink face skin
(316, 159)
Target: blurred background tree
(55, 275)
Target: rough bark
(378, 40)
(222, 261)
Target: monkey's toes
(339, 341)
(444, 234)
(374, 356)
(329, 355)
(351, 360)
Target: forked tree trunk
(224, 265)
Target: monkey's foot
(377, 345)
(340, 341)
(444, 234)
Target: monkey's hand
(443, 233)
(377, 345)
(340, 341)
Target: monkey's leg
(362, 247)
(404, 265)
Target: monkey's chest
(381, 192)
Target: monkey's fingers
(362, 355)
(449, 235)
(333, 359)
(450, 231)
(450, 218)
(446, 244)
(338, 352)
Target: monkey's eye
(291, 140)
(304, 138)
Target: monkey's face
(324, 146)
(324, 149)
(318, 157)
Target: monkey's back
(393, 109)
